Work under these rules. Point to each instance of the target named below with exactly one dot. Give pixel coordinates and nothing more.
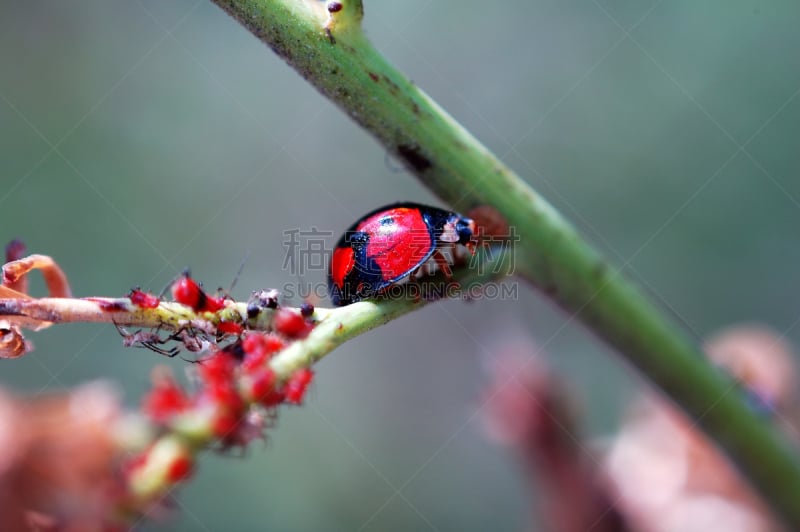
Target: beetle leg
(444, 266)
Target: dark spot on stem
(393, 88)
(414, 157)
(600, 271)
(374, 77)
(10, 307)
(110, 306)
(334, 7)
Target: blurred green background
(139, 137)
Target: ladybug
(391, 243)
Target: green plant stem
(334, 55)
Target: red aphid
(226, 423)
(166, 398)
(273, 343)
(272, 398)
(229, 407)
(186, 291)
(258, 349)
(261, 345)
(290, 323)
(180, 469)
(218, 374)
(254, 343)
(218, 368)
(263, 384)
(226, 395)
(143, 299)
(255, 352)
(229, 327)
(297, 384)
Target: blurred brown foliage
(58, 458)
(659, 473)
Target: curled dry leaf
(12, 342)
(14, 285)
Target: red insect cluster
(231, 382)
(235, 391)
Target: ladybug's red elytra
(391, 243)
